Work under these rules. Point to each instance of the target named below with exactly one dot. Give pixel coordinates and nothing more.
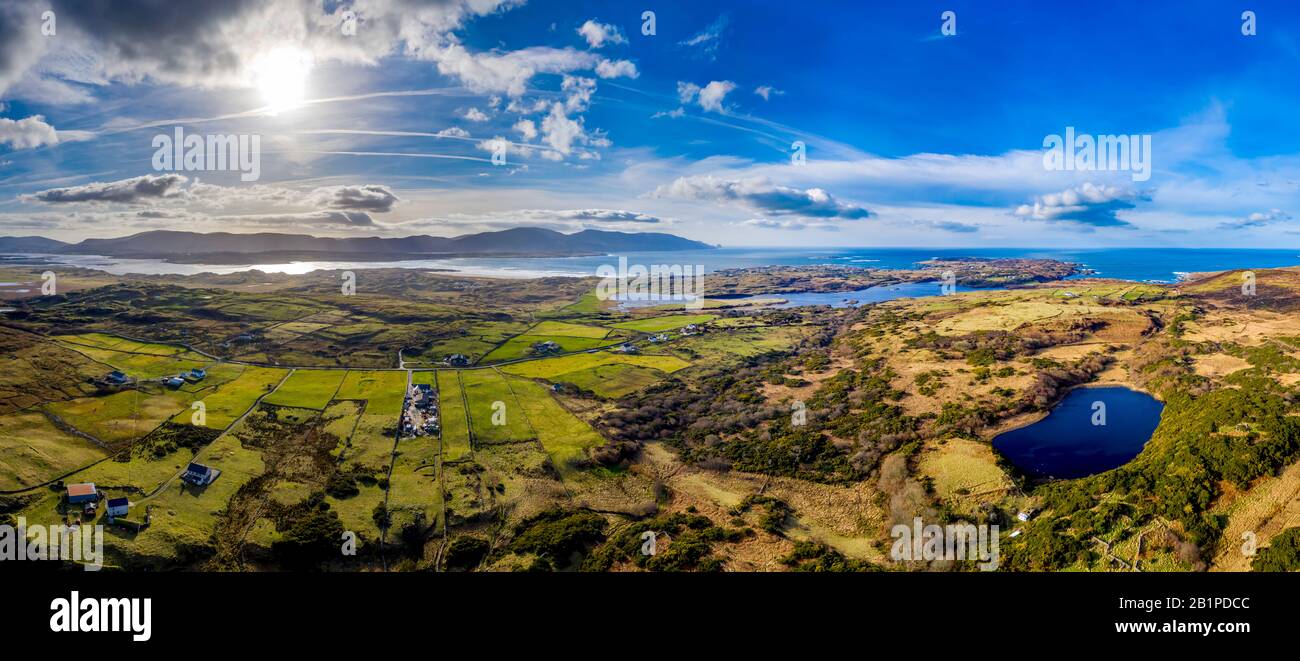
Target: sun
(281, 76)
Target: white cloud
(616, 69)
(1090, 204)
(561, 132)
(136, 190)
(370, 197)
(712, 95)
(578, 91)
(527, 129)
(686, 92)
(27, 133)
(709, 97)
(475, 115)
(599, 34)
(453, 132)
(760, 194)
(767, 92)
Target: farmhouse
(692, 329)
(458, 360)
(626, 348)
(195, 374)
(546, 347)
(82, 493)
(118, 507)
(174, 381)
(200, 475)
(116, 377)
(662, 337)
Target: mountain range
(169, 244)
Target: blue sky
(912, 137)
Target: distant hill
(31, 244)
(522, 241)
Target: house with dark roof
(116, 378)
(195, 374)
(174, 382)
(118, 507)
(200, 475)
(458, 360)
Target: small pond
(1091, 431)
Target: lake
(1067, 444)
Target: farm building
(174, 382)
(458, 360)
(546, 347)
(200, 475)
(82, 493)
(116, 377)
(626, 348)
(195, 374)
(118, 506)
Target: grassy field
(564, 436)
(232, 399)
(551, 368)
(383, 390)
(522, 346)
(484, 389)
(105, 341)
(605, 373)
(963, 471)
(311, 389)
(142, 365)
(455, 423)
(33, 450)
(665, 323)
(121, 416)
(565, 329)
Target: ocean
(1163, 265)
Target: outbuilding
(82, 493)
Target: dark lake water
(1067, 444)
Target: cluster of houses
(116, 510)
(420, 411)
(193, 376)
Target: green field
(563, 435)
(522, 346)
(104, 341)
(666, 323)
(33, 450)
(564, 329)
(142, 365)
(455, 424)
(121, 416)
(484, 388)
(382, 390)
(311, 389)
(232, 399)
(552, 368)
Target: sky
(754, 123)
